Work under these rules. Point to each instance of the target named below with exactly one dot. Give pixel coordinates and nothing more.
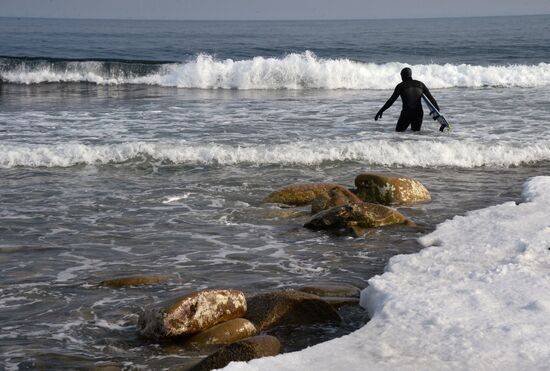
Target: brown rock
(337, 302)
(243, 351)
(133, 281)
(332, 289)
(299, 194)
(289, 307)
(336, 196)
(193, 313)
(388, 190)
(356, 218)
(225, 332)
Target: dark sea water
(146, 148)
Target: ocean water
(146, 148)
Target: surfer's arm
(392, 99)
(429, 96)
(388, 103)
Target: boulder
(288, 307)
(118, 283)
(243, 351)
(299, 194)
(356, 218)
(225, 332)
(338, 302)
(336, 196)
(193, 313)
(332, 289)
(389, 190)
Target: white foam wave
(411, 153)
(293, 71)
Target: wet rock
(336, 196)
(133, 281)
(332, 289)
(285, 214)
(243, 351)
(299, 194)
(193, 313)
(338, 302)
(356, 218)
(288, 307)
(226, 332)
(388, 190)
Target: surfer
(411, 92)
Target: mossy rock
(225, 332)
(288, 308)
(193, 313)
(336, 196)
(299, 194)
(241, 351)
(356, 218)
(390, 190)
(122, 282)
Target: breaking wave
(293, 71)
(421, 153)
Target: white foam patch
(293, 71)
(410, 153)
(476, 298)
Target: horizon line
(273, 19)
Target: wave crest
(421, 153)
(293, 71)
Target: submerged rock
(225, 332)
(299, 194)
(388, 190)
(133, 281)
(289, 307)
(356, 218)
(243, 351)
(332, 289)
(336, 196)
(193, 313)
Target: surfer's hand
(378, 116)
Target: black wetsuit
(411, 94)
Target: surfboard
(436, 115)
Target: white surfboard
(436, 115)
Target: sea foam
(386, 152)
(294, 71)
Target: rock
(289, 307)
(337, 302)
(356, 218)
(241, 351)
(225, 332)
(299, 194)
(285, 213)
(332, 289)
(388, 190)
(336, 196)
(193, 313)
(133, 281)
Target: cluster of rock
(231, 320)
(339, 209)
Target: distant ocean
(146, 148)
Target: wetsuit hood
(406, 74)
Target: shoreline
(489, 314)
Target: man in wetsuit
(411, 94)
